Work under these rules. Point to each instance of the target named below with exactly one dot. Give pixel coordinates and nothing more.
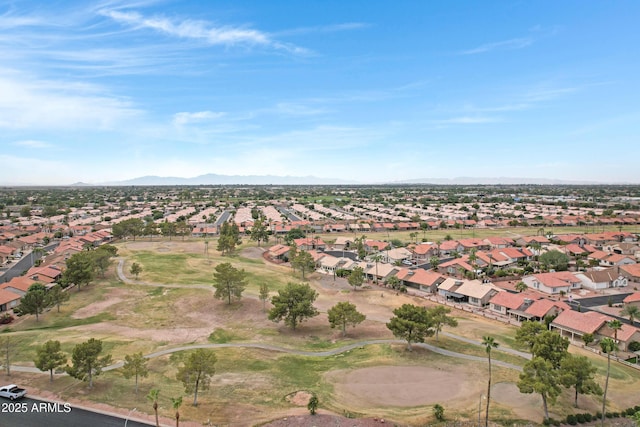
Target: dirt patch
(165, 335)
(327, 420)
(403, 386)
(252, 252)
(113, 297)
(525, 406)
(299, 398)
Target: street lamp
(126, 420)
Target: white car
(12, 392)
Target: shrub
(588, 417)
(630, 411)
(609, 415)
(571, 420)
(438, 412)
(556, 423)
(598, 415)
(634, 346)
(580, 418)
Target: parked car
(12, 392)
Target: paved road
(25, 263)
(287, 213)
(224, 216)
(37, 413)
(339, 254)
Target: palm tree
(632, 311)
(473, 258)
(608, 346)
(153, 397)
(615, 325)
(489, 344)
(376, 258)
(521, 286)
(176, 403)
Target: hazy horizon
(100, 92)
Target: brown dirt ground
(327, 420)
(403, 386)
(113, 297)
(299, 398)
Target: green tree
(527, 333)
(615, 325)
(168, 228)
(607, 345)
(293, 304)
(312, 406)
(343, 314)
(376, 258)
(150, 229)
(433, 262)
(550, 346)
(489, 344)
(588, 338)
(87, 362)
(521, 286)
(293, 254)
(197, 371)
(411, 323)
(554, 260)
(304, 262)
(578, 372)
(632, 312)
(539, 376)
(135, 365)
(176, 403)
(229, 282)
(153, 396)
(58, 296)
(229, 238)
(356, 277)
(438, 412)
(439, 318)
(49, 357)
(136, 269)
(259, 232)
(101, 258)
(35, 301)
(79, 270)
(264, 295)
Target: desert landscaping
(368, 374)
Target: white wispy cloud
(201, 30)
(185, 118)
(512, 44)
(28, 102)
(346, 26)
(32, 143)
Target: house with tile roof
(632, 272)
(633, 299)
(477, 293)
(455, 267)
(602, 279)
(504, 302)
(419, 278)
(18, 285)
(8, 300)
(553, 283)
(574, 324)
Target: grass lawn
(132, 318)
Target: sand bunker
(400, 385)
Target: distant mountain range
(497, 181)
(214, 179)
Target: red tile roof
(540, 308)
(634, 297)
(509, 300)
(586, 323)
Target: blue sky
(368, 91)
